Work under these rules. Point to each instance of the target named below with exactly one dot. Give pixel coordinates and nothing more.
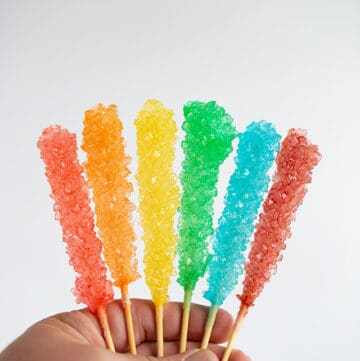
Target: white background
(295, 63)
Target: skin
(77, 336)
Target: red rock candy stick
(72, 208)
(295, 162)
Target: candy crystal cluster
(295, 162)
(158, 194)
(58, 150)
(107, 171)
(245, 193)
(208, 142)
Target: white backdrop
(295, 63)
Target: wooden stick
(239, 320)
(185, 320)
(128, 318)
(159, 310)
(105, 327)
(209, 326)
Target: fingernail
(248, 358)
(202, 355)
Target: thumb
(192, 355)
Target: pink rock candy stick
(58, 150)
(295, 162)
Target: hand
(77, 336)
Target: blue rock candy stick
(245, 193)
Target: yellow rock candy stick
(107, 171)
(159, 199)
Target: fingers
(83, 326)
(172, 348)
(192, 355)
(145, 328)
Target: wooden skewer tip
(105, 327)
(209, 326)
(185, 320)
(128, 318)
(159, 309)
(238, 322)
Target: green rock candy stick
(208, 142)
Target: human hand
(77, 336)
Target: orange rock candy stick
(107, 172)
(58, 150)
(295, 162)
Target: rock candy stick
(246, 190)
(208, 142)
(295, 162)
(107, 171)
(159, 199)
(58, 150)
